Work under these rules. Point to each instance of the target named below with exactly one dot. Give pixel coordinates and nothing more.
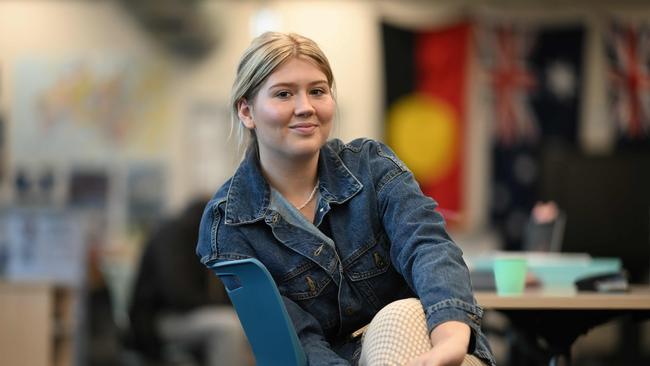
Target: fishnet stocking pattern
(397, 334)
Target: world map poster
(89, 110)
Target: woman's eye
(283, 94)
(318, 92)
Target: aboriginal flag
(425, 73)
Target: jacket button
(312, 285)
(274, 219)
(349, 311)
(379, 261)
(319, 250)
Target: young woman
(343, 228)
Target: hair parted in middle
(265, 54)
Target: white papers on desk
(485, 260)
(552, 269)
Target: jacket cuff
(453, 309)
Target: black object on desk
(607, 282)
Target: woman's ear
(245, 112)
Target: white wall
(51, 29)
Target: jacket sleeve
(316, 347)
(425, 255)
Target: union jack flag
(628, 49)
(505, 52)
(532, 78)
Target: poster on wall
(44, 245)
(88, 188)
(146, 186)
(86, 109)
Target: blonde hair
(265, 54)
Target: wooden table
(637, 298)
(559, 318)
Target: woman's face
(292, 112)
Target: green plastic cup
(510, 275)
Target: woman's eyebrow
(289, 84)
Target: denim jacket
(389, 243)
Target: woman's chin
(308, 149)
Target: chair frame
(261, 311)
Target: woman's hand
(450, 341)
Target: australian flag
(533, 79)
(628, 51)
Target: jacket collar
(249, 195)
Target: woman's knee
(399, 308)
(397, 333)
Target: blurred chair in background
(545, 229)
(179, 311)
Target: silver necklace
(309, 199)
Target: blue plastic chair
(261, 312)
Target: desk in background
(560, 318)
(638, 298)
(37, 323)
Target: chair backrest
(545, 236)
(261, 312)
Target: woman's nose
(304, 107)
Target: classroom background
(114, 117)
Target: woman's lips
(304, 129)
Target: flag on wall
(425, 74)
(628, 55)
(533, 91)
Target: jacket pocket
(370, 260)
(304, 282)
(314, 291)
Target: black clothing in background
(170, 279)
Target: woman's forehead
(297, 69)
